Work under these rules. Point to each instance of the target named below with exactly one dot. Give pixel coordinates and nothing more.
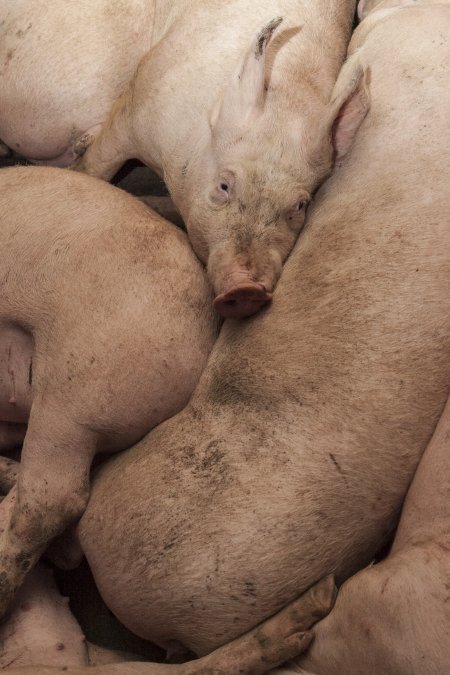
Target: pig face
(248, 209)
(248, 186)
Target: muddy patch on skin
(207, 462)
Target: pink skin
(243, 282)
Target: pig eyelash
(300, 205)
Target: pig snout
(243, 282)
(243, 299)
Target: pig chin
(241, 290)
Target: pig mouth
(242, 300)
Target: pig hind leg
(51, 492)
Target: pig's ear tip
(273, 24)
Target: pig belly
(16, 372)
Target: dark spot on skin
(185, 168)
(335, 462)
(23, 561)
(241, 206)
(17, 145)
(383, 588)
(212, 456)
(338, 466)
(19, 33)
(9, 55)
(262, 639)
(250, 588)
(60, 646)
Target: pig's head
(248, 185)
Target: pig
(239, 129)
(105, 326)
(294, 454)
(42, 636)
(394, 617)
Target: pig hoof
(82, 144)
(241, 301)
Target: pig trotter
(276, 640)
(82, 144)
(41, 506)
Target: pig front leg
(274, 641)
(51, 492)
(111, 147)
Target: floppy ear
(349, 105)
(243, 99)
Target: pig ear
(243, 99)
(362, 9)
(349, 105)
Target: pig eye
(224, 187)
(300, 205)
